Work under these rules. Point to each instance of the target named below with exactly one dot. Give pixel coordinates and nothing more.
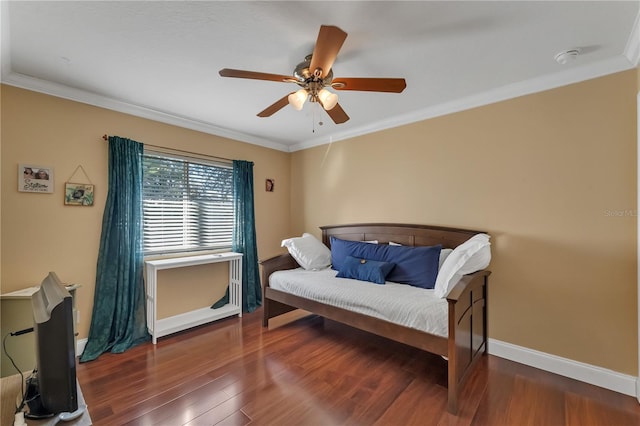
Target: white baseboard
(80, 344)
(598, 376)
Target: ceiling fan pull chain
(316, 109)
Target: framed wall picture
(269, 185)
(32, 178)
(78, 194)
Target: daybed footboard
(467, 330)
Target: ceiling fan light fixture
(297, 99)
(329, 100)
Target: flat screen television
(53, 388)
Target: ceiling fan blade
(328, 44)
(275, 107)
(393, 85)
(337, 114)
(227, 72)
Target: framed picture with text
(32, 178)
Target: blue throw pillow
(365, 270)
(417, 266)
(340, 249)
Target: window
(187, 204)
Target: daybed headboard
(405, 234)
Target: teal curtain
(244, 237)
(118, 321)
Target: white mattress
(401, 304)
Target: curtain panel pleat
(244, 237)
(118, 321)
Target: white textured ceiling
(160, 60)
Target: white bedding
(401, 304)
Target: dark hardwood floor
(317, 372)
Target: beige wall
(551, 176)
(40, 234)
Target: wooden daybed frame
(467, 339)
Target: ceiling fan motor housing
(305, 75)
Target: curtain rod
(106, 138)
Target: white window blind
(187, 205)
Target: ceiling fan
(314, 75)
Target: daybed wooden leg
(452, 396)
(265, 313)
(452, 403)
(452, 362)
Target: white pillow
(470, 256)
(444, 253)
(308, 251)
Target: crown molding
(552, 81)
(514, 90)
(78, 95)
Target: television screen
(54, 388)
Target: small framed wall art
(32, 178)
(78, 194)
(269, 185)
